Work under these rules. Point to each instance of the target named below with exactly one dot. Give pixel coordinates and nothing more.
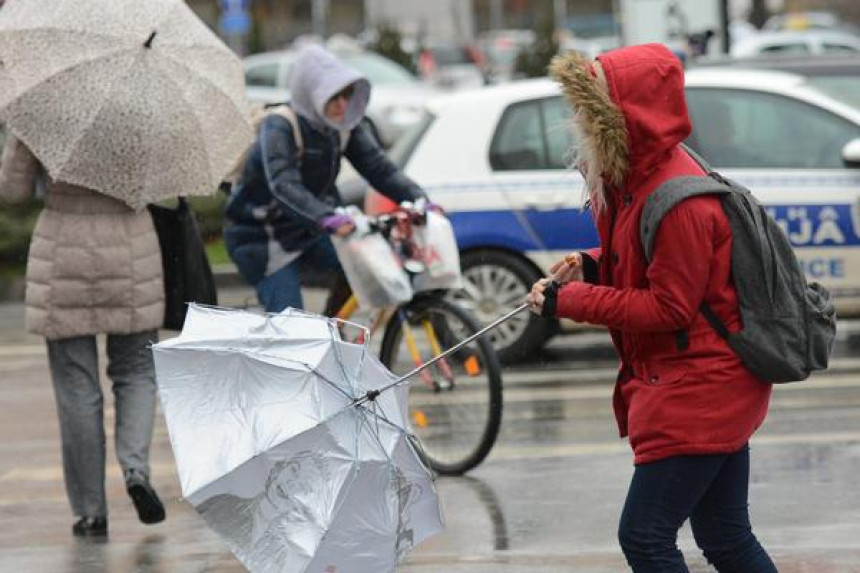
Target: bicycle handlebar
(385, 222)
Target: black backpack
(789, 325)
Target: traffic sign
(235, 18)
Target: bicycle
(456, 408)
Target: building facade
(276, 23)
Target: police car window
(741, 128)
(264, 75)
(841, 85)
(518, 143)
(839, 48)
(557, 116)
(785, 49)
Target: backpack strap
(665, 197)
(661, 202)
(288, 113)
(698, 159)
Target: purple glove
(425, 205)
(331, 223)
(431, 206)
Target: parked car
(396, 98)
(591, 35)
(590, 47)
(494, 159)
(810, 20)
(803, 42)
(452, 66)
(500, 49)
(837, 75)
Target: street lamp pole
(319, 14)
(560, 14)
(724, 25)
(497, 15)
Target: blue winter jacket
(281, 196)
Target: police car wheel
(494, 282)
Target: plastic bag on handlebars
(439, 253)
(373, 271)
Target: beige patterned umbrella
(137, 99)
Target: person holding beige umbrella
(113, 105)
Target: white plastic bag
(372, 269)
(439, 253)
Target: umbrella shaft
(462, 343)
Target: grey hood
(318, 75)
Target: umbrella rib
(192, 112)
(307, 366)
(257, 455)
(360, 401)
(83, 132)
(336, 512)
(378, 416)
(339, 357)
(70, 67)
(193, 108)
(214, 49)
(376, 433)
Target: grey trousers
(75, 374)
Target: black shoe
(146, 502)
(90, 527)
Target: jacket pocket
(663, 374)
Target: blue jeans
(282, 288)
(80, 405)
(712, 491)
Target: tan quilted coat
(94, 264)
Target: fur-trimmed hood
(630, 108)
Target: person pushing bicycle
(283, 207)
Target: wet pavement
(547, 499)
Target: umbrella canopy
(137, 100)
(279, 452)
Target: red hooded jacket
(668, 400)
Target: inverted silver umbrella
(286, 446)
(136, 99)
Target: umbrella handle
(371, 395)
(460, 344)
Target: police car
(495, 160)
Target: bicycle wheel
(455, 405)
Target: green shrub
(216, 252)
(209, 210)
(388, 45)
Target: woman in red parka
(682, 396)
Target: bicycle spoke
(457, 418)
